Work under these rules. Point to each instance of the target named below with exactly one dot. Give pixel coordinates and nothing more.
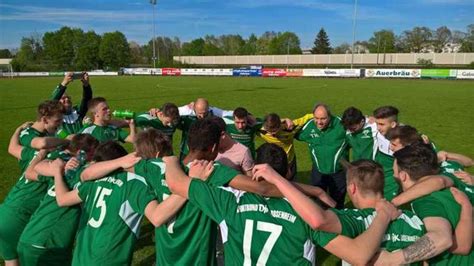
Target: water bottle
(125, 114)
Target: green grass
(441, 109)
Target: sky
(189, 19)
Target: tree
(195, 47)
(321, 43)
(212, 46)
(31, 52)
(441, 37)
(250, 46)
(114, 50)
(287, 42)
(87, 52)
(263, 42)
(5, 53)
(231, 44)
(417, 39)
(467, 43)
(383, 41)
(343, 48)
(60, 47)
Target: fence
(331, 59)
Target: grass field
(441, 109)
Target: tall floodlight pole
(354, 32)
(287, 52)
(153, 3)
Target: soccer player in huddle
(326, 138)
(23, 199)
(101, 128)
(41, 243)
(441, 212)
(360, 134)
(73, 116)
(164, 119)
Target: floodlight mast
(153, 3)
(353, 32)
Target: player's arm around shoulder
(64, 197)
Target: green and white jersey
(384, 156)
(51, 226)
(184, 125)
(246, 136)
(400, 233)
(105, 133)
(363, 143)
(326, 146)
(448, 168)
(145, 120)
(190, 237)
(72, 124)
(72, 121)
(28, 134)
(26, 195)
(255, 230)
(442, 204)
(113, 209)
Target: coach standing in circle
(325, 136)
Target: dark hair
(407, 135)
(273, 155)
(109, 150)
(219, 122)
(151, 141)
(49, 108)
(418, 160)
(170, 110)
(386, 112)
(351, 116)
(85, 142)
(203, 134)
(272, 122)
(94, 102)
(368, 175)
(241, 113)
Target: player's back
(112, 213)
(255, 230)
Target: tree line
(73, 49)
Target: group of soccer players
(81, 197)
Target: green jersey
(72, 121)
(442, 204)
(113, 208)
(255, 230)
(363, 143)
(185, 124)
(26, 195)
(326, 146)
(28, 134)
(384, 156)
(245, 136)
(105, 133)
(400, 233)
(189, 238)
(51, 226)
(144, 120)
(448, 168)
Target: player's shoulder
(88, 129)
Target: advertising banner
(331, 72)
(171, 71)
(465, 74)
(33, 74)
(253, 71)
(56, 74)
(393, 73)
(294, 73)
(438, 73)
(100, 73)
(206, 71)
(273, 72)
